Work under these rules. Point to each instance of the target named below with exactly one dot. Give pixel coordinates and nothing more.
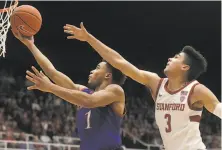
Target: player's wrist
(30, 45)
(89, 38)
(51, 86)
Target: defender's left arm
(208, 99)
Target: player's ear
(185, 67)
(108, 75)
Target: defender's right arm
(150, 79)
(116, 60)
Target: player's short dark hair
(117, 76)
(196, 61)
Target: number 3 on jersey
(88, 115)
(168, 117)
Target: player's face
(98, 75)
(175, 65)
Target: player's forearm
(41, 59)
(106, 52)
(73, 96)
(56, 76)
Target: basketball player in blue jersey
(101, 104)
(179, 98)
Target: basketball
(26, 19)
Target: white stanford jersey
(177, 121)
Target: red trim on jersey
(195, 118)
(158, 88)
(189, 96)
(174, 92)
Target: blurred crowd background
(45, 116)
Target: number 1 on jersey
(168, 117)
(88, 115)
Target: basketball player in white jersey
(179, 98)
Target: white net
(5, 14)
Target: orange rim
(7, 9)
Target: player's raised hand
(41, 82)
(25, 40)
(76, 33)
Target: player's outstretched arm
(115, 59)
(112, 93)
(208, 99)
(55, 75)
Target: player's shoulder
(199, 90)
(115, 88)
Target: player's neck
(102, 86)
(176, 83)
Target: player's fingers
(66, 27)
(32, 87)
(69, 25)
(31, 79)
(68, 31)
(36, 71)
(71, 37)
(72, 27)
(82, 26)
(42, 74)
(30, 74)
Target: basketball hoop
(5, 14)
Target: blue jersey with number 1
(98, 128)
